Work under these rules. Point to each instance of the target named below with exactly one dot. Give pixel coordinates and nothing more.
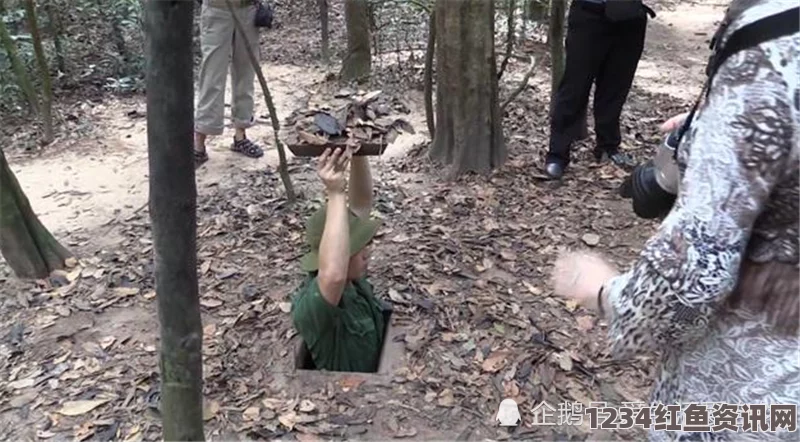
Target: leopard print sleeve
(732, 158)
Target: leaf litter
(465, 265)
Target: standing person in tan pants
(221, 47)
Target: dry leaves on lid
(360, 119)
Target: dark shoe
(554, 170)
(618, 158)
(247, 148)
(200, 158)
(622, 160)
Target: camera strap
(753, 34)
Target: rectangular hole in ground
(304, 361)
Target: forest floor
(464, 263)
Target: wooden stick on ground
(273, 114)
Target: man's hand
(332, 167)
(674, 122)
(580, 275)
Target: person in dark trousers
(604, 49)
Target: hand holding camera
(653, 186)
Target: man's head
(361, 233)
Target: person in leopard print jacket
(715, 291)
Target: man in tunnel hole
(335, 310)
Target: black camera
(653, 186)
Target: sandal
(247, 148)
(200, 158)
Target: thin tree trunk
(28, 247)
(323, 21)
(428, 74)
(469, 135)
(537, 10)
(357, 62)
(283, 169)
(173, 214)
(117, 36)
(20, 73)
(509, 37)
(44, 73)
(55, 29)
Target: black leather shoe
(622, 160)
(554, 170)
(618, 158)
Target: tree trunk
(556, 34)
(537, 10)
(55, 28)
(44, 72)
(469, 136)
(173, 214)
(29, 248)
(512, 6)
(108, 15)
(20, 73)
(358, 59)
(323, 21)
(428, 74)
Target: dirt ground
(464, 263)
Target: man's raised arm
(334, 248)
(360, 186)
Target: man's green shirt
(347, 337)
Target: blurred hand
(332, 167)
(580, 275)
(674, 122)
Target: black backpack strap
(753, 34)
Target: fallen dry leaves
(465, 265)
